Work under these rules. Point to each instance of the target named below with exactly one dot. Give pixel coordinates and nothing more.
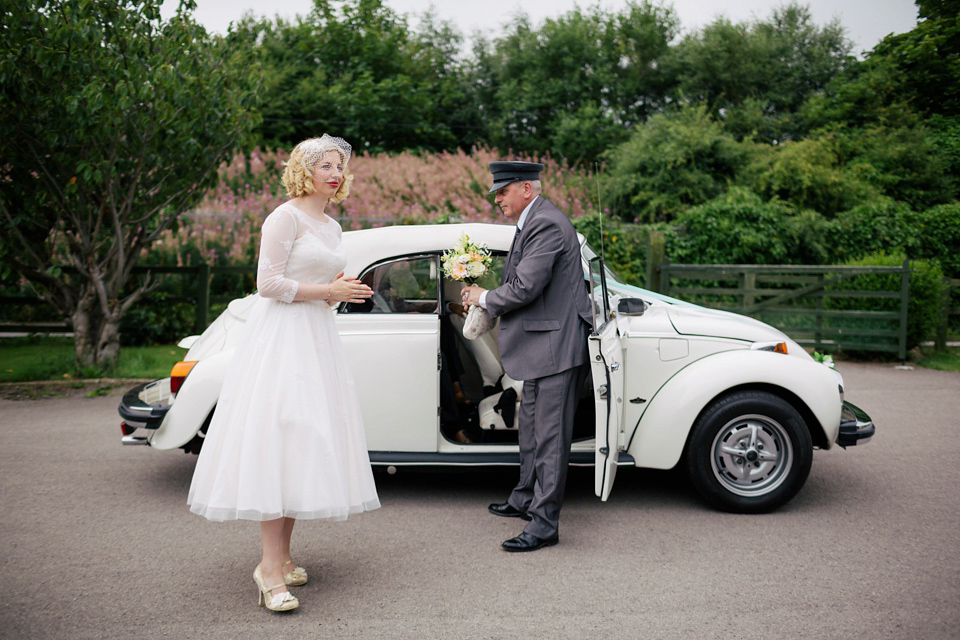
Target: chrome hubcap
(751, 455)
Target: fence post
(655, 250)
(664, 287)
(748, 283)
(818, 323)
(943, 325)
(904, 301)
(203, 296)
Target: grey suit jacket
(543, 302)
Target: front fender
(193, 403)
(662, 430)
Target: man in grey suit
(545, 315)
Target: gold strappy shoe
(283, 601)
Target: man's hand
(471, 296)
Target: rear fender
(662, 430)
(193, 403)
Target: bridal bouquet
(467, 262)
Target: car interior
(478, 401)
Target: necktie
(507, 267)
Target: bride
(286, 441)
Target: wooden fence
(802, 301)
(947, 310)
(812, 304)
(195, 289)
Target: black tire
(749, 452)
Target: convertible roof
(367, 246)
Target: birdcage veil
(314, 148)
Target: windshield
(589, 254)
(616, 285)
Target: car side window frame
(384, 304)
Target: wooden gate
(823, 307)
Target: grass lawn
(51, 358)
(37, 358)
(948, 360)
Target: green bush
(811, 174)
(673, 161)
(157, 320)
(624, 245)
(906, 164)
(881, 225)
(739, 227)
(923, 307)
(938, 237)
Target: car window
(407, 285)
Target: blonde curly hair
(298, 173)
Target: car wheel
(749, 452)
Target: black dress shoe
(507, 511)
(529, 542)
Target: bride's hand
(348, 289)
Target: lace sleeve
(276, 241)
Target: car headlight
(836, 374)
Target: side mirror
(631, 306)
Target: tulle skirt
(286, 439)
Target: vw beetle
(734, 401)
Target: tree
(112, 124)
(818, 173)
(356, 69)
(757, 75)
(673, 161)
(579, 83)
(928, 57)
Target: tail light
(126, 429)
(179, 374)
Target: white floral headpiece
(314, 148)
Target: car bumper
(856, 427)
(142, 410)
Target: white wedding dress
(287, 438)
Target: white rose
(475, 270)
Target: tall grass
(405, 188)
(51, 358)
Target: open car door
(606, 360)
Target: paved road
(97, 543)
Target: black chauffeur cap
(506, 172)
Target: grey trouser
(547, 407)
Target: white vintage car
(739, 404)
